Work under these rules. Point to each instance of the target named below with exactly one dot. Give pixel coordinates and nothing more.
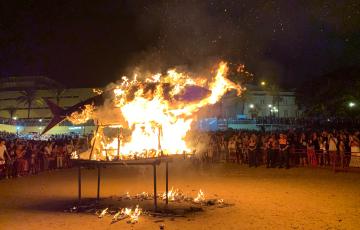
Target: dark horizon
(91, 44)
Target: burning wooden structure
(118, 161)
(150, 118)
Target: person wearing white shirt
(3, 151)
(4, 160)
(333, 150)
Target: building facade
(255, 102)
(13, 91)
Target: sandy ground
(299, 198)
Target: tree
(59, 92)
(275, 93)
(28, 97)
(11, 110)
(329, 95)
(242, 99)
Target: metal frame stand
(79, 184)
(153, 162)
(155, 193)
(98, 185)
(167, 182)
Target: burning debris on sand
(185, 204)
(200, 197)
(125, 213)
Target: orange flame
(83, 116)
(155, 113)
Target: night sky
(82, 43)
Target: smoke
(188, 35)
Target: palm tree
(275, 93)
(11, 110)
(242, 99)
(28, 97)
(59, 92)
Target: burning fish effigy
(149, 117)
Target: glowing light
(352, 104)
(263, 83)
(15, 118)
(274, 109)
(270, 106)
(251, 106)
(75, 128)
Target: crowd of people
(285, 149)
(318, 122)
(21, 156)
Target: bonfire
(151, 117)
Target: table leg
(98, 184)
(79, 184)
(155, 193)
(167, 182)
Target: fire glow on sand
(151, 117)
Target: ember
(103, 213)
(174, 195)
(182, 206)
(200, 197)
(125, 213)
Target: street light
(251, 106)
(15, 118)
(263, 83)
(270, 105)
(352, 104)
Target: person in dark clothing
(271, 148)
(252, 151)
(283, 151)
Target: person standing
(238, 149)
(283, 151)
(244, 149)
(355, 151)
(271, 147)
(252, 151)
(311, 155)
(21, 163)
(264, 149)
(322, 152)
(47, 155)
(59, 156)
(342, 150)
(11, 170)
(33, 163)
(69, 150)
(302, 144)
(4, 157)
(333, 150)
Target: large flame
(80, 117)
(158, 112)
